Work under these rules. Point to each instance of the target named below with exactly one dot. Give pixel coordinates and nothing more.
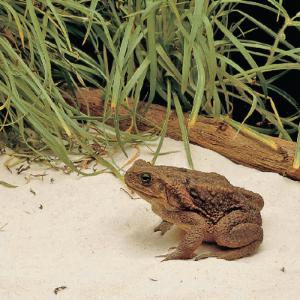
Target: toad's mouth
(147, 196)
(143, 193)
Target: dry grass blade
(8, 185)
(296, 164)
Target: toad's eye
(146, 178)
(193, 193)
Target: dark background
(290, 82)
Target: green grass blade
(245, 54)
(200, 89)
(183, 129)
(165, 124)
(152, 56)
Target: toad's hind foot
(177, 254)
(229, 253)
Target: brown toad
(205, 205)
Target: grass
(184, 52)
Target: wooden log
(211, 133)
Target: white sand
(94, 239)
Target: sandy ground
(88, 235)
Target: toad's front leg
(185, 250)
(163, 227)
(193, 224)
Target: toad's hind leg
(240, 234)
(229, 253)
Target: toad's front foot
(163, 227)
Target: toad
(204, 205)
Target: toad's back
(184, 175)
(212, 194)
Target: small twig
(22, 168)
(32, 191)
(3, 226)
(58, 289)
(10, 171)
(27, 178)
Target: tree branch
(211, 133)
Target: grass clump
(187, 53)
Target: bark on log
(210, 133)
